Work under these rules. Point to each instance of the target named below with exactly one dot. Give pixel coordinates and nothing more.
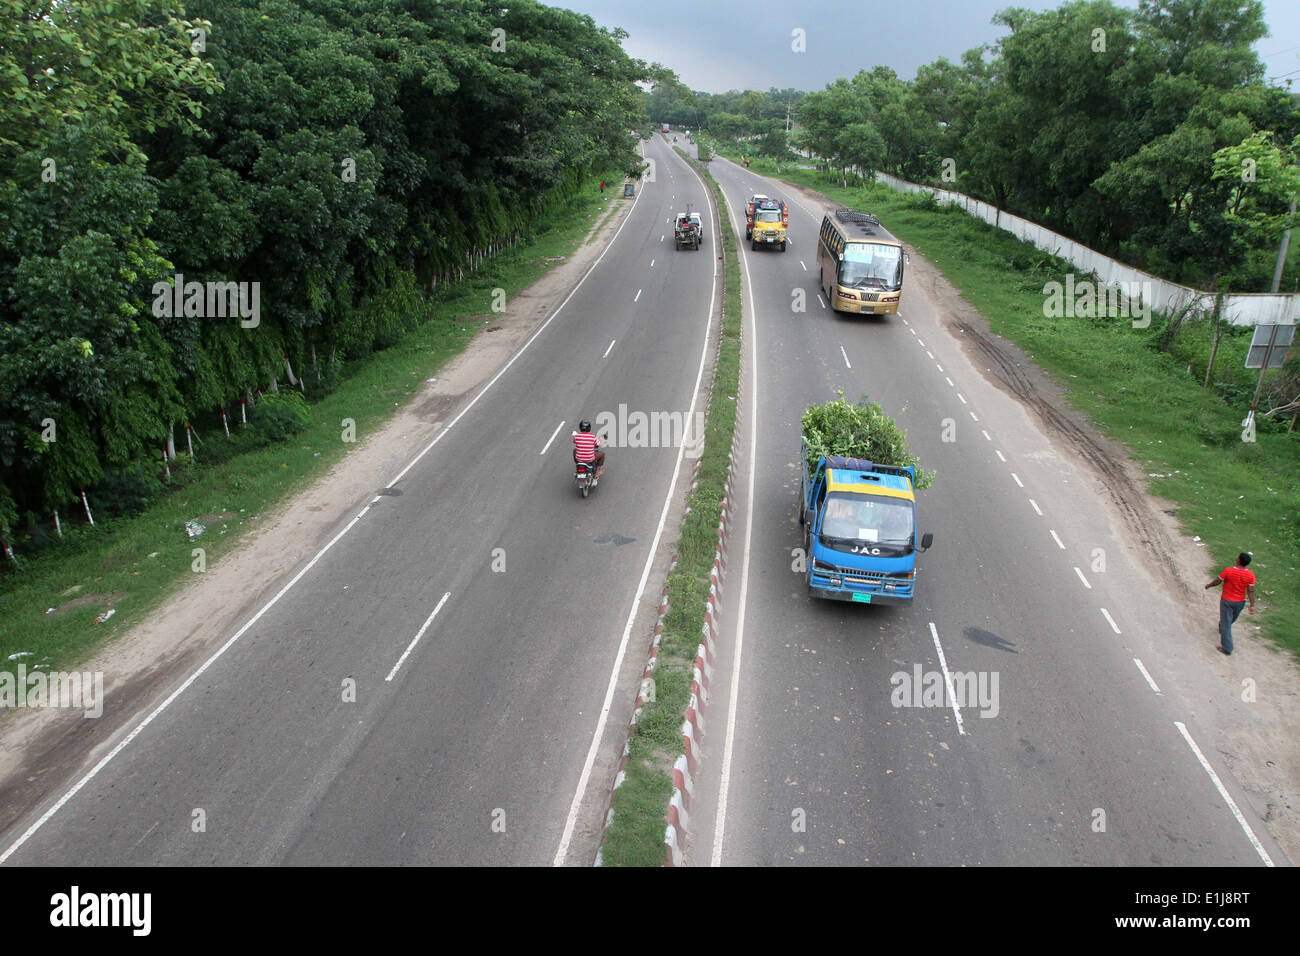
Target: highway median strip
(646, 822)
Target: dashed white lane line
(949, 381)
(805, 268)
(963, 398)
(912, 330)
(418, 634)
(974, 416)
(1056, 539)
(821, 300)
(1082, 578)
(1037, 510)
(985, 434)
(559, 426)
(1223, 792)
(952, 696)
(652, 263)
(1111, 621)
(846, 356)
(936, 364)
(661, 238)
(931, 354)
(1017, 478)
(610, 349)
(920, 341)
(637, 296)
(1146, 675)
(1001, 457)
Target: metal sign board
(1269, 345)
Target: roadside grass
(131, 564)
(1236, 496)
(640, 804)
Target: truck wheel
(783, 245)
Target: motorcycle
(584, 475)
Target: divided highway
(1079, 752)
(479, 605)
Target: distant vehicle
(859, 522)
(688, 230)
(860, 263)
(766, 223)
(665, 128)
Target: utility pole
(1281, 254)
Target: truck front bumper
(859, 597)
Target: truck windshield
(871, 265)
(769, 215)
(866, 523)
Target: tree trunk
(1217, 324)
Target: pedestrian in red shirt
(602, 185)
(1238, 584)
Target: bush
(277, 415)
(859, 431)
(125, 491)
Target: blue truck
(859, 521)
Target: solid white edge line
(1111, 621)
(171, 697)
(1082, 578)
(1223, 792)
(551, 439)
(418, 634)
(610, 349)
(1056, 539)
(540, 329)
(1146, 675)
(728, 746)
(571, 821)
(947, 679)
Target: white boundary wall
(1241, 308)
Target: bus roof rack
(866, 224)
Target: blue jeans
(1228, 613)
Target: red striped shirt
(584, 443)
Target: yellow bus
(861, 264)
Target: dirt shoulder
(1258, 742)
(44, 750)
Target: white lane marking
(985, 434)
(661, 238)
(949, 381)
(928, 352)
(1018, 481)
(637, 296)
(936, 364)
(724, 784)
(418, 634)
(1037, 509)
(1146, 675)
(563, 849)
(963, 398)
(610, 349)
(905, 322)
(947, 677)
(1223, 792)
(62, 801)
(821, 300)
(1111, 621)
(557, 430)
(1001, 457)
(920, 341)
(652, 263)
(910, 329)
(805, 268)
(1056, 539)
(846, 356)
(540, 329)
(1082, 578)
(974, 416)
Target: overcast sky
(720, 45)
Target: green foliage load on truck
(860, 430)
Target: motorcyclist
(588, 448)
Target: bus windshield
(871, 265)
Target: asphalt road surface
(1077, 759)
(473, 749)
